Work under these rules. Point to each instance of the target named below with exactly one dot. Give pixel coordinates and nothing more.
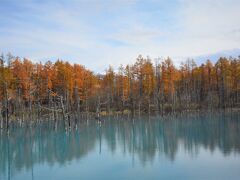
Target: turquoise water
(193, 147)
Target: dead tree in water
(157, 89)
(6, 106)
(77, 99)
(54, 110)
(63, 112)
(55, 113)
(76, 103)
(98, 109)
(4, 86)
(140, 93)
(131, 95)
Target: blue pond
(188, 147)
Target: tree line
(31, 91)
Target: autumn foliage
(144, 86)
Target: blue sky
(98, 33)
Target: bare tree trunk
(149, 105)
(1, 121)
(158, 89)
(131, 97)
(30, 104)
(162, 95)
(86, 106)
(77, 99)
(139, 108)
(55, 114)
(98, 110)
(63, 113)
(6, 107)
(140, 95)
(108, 104)
(20, 107)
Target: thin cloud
(101, 32)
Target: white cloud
(209, 25)
(77, 30)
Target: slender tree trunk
(1, 121)
(158, 90)
(86, 106)
(6, 106)
(30, 104)
(149, 105)
(140, 95)
(108, 104)
(131, 97)
(98, 110)
(55, 114)
(63, 112)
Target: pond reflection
(144, 140)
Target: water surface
(193, 147)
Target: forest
(31, 92)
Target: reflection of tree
(142, 139)
(147, 138)
(30, 146)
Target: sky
(98, 33)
